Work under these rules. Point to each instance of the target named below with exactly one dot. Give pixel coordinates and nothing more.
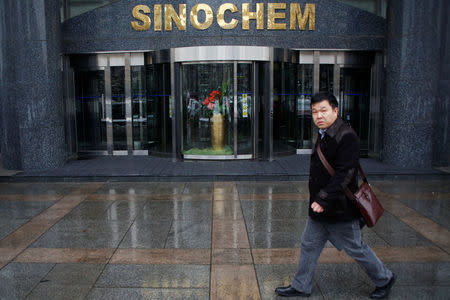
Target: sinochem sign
(227, 16)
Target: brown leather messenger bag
(364, 198)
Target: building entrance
(121, 104)
(215, 102)
(219, 101)
(217, 105)
(299, 74)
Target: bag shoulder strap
(323, 159)
(330, 169)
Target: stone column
(411, 82)
(441, 139)
(32, 111)
(412, 72)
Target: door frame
(104, 62)
(211, 55)
(262, 58)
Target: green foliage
(209, 151)
(224, 88)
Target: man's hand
(316, 207)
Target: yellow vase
(217, 132)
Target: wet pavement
(207, 240)
(149, 168)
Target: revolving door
(219, 101)
(215, 102)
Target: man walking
(332, 216)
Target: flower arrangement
(210, 102)
(215, 102)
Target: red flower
(210, 101)
(215, 93)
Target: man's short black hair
(319, 97)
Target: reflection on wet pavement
(207, 240)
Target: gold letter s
(141, 17)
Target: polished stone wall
(441, 138)
(414, 36)
(338, 26)
(417, 72)
(31, 105)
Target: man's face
(323, 114)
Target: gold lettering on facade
(139, 13)
(272, 15)
(171, 15)
(221, 16)
(258, 16)
(276, 12)
(158, 17)
(296, 14)
(209, 16)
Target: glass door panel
(207, 107)
(284, 108)
(245, 117)
(292, 123)
(158, 112)
(103, 110)
(304, 94)
(355, 103)
(150, 92)
(90, 110)
(326, 78)
(118, 108)
(139, 107)
(289, 97)
(155, 108)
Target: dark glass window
(90, 110)
(293, 87)
(72, 8)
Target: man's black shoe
(289, 291)
(383, 292)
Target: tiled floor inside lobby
(207, 240)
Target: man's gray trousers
(344, 236)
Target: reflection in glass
(118, 108)
(90, 110)
(139, 107)
(245, 109)
(368, 5)
(159, 114)
(304, 118)
(326, 79)
(150, 92)
(74, 8)
(355, 95)
(291, 106)
(263, 109)
(285, 106)
(207, 95)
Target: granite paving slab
(148, 294)
(18, 279)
